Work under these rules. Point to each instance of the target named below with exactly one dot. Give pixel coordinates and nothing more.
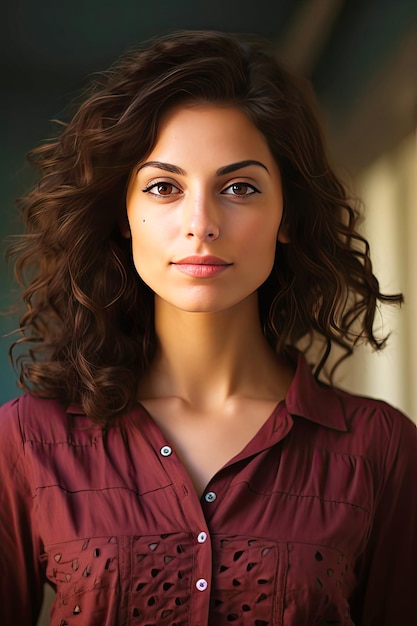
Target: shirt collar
(312, 400)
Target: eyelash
(223, 192)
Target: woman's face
(204, 209)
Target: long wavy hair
(88, 320)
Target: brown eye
(162, 189)
(240, 189)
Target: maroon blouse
(312, 523)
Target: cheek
(141, 237)
(151, 239)
(261, 234)
(259, 242)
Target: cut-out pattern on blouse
(246, 586)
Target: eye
(240, 189)
(162, 189)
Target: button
(166, 451)
(201, 584)
(201, 538)
(210, 496)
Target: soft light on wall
(389, 190)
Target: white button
(166, 451)
(202, 537)
(210, 496)
(201, 584)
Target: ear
(283, 234)
(124, 226)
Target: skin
(214, 380)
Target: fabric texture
(313, 523)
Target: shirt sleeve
(388, 582)
(21, 588)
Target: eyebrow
(167, 167)
(226, 169)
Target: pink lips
(202, 266)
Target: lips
(201, 266)
(201, 260)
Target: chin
(213, 304)
(203, 308)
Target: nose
(201, 219)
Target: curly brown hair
(88, 321)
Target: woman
(174, 460)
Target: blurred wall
(388, 188)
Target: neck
(206, 358)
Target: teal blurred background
(360, 56)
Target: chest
(206, 441)
(277, 541)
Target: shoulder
(373, 418)
(356, 427)
(359, 421)
(32, 419)
(383, 435)
(367, 434)
(29, 414)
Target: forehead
(218, 132)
